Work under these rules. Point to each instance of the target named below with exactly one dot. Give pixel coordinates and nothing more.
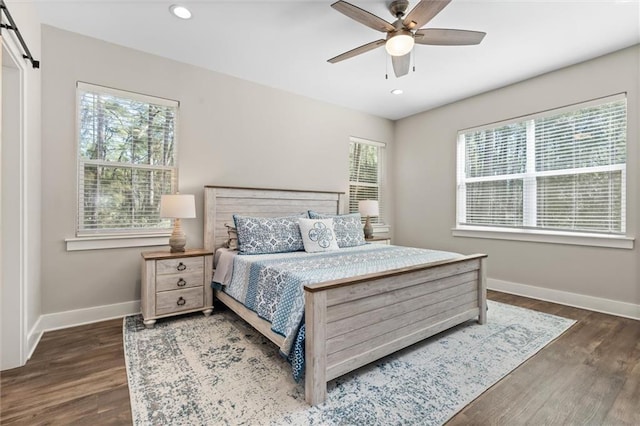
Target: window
(126, 161)
(365, 175)
(559, 171)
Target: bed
(379, 309)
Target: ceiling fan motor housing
(398, 7)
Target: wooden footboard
(352, 322)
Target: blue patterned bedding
(272, 285)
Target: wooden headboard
(221, 203)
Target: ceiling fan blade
(401, 64)
(362, 16)
(357, 51)
(423, 12)
(448, 37)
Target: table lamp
(368, 208)
(177, 206)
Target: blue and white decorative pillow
(318, 235)
(348, 228)
(266, 235)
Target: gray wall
(425, 177)
(231, 132)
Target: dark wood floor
(588, 376)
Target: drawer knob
(181, 267)
(181, 301)
(181, 282)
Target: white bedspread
(223, 264)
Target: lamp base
(368, 229)
(178, 239)
(177, 245)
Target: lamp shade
(369, 207)
(178, 206)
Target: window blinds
(365, 167)
(126, 160)
(561, 170)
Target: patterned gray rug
(195, 370)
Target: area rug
(194, 370)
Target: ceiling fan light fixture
(180, 11)
(397, 92)
(400, 43)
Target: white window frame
(381, 226)
(529, 232)
(88, 240)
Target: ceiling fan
(405, 31)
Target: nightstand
(379, 240)
(176, 283)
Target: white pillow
(318, 235)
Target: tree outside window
(564, 170)
(365, 175)
(126, 160)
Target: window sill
(120, 241)
(571, 238)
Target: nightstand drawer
(179, 281)
(179, 300)
(179, 266)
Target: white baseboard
(58, 320)
(33, 338)
(598, 304)
(66, 319)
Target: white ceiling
(286, 44)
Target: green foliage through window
(126, 160)
(365, 164)
(563, 170)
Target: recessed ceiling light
(397, 92)
(180, 11)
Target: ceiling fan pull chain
(386, 67)
(413, 57)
